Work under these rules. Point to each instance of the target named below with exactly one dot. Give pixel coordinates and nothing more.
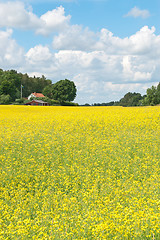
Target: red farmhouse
(37, 103)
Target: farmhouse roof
(38, 94)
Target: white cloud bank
(104, 67)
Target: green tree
(158, 94)
(130, 99)
(5, 99)
(9, 83)
(8, 88)
(151, 98)
(47, 91)
(33, 84)
(64, 90)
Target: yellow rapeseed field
(79, 173)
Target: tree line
(130, 99)
(13, 84)
(62, 92)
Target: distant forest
(11, 83)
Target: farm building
(37, 103)
(35, 95)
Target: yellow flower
(79, 173)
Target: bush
(19, 100)
(69, 104)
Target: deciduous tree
(64, 90)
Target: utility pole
(21, 90)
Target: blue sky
(107, 47)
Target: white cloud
(74, 38)
(38, 54)
(136, 12)
(13, 14)
(10, 53)
(39, 61)
(54, 20)
(49, 22)
(78, 39)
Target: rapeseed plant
(79, 173)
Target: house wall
(30, 96)
(36, 103)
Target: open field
(79, 173)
